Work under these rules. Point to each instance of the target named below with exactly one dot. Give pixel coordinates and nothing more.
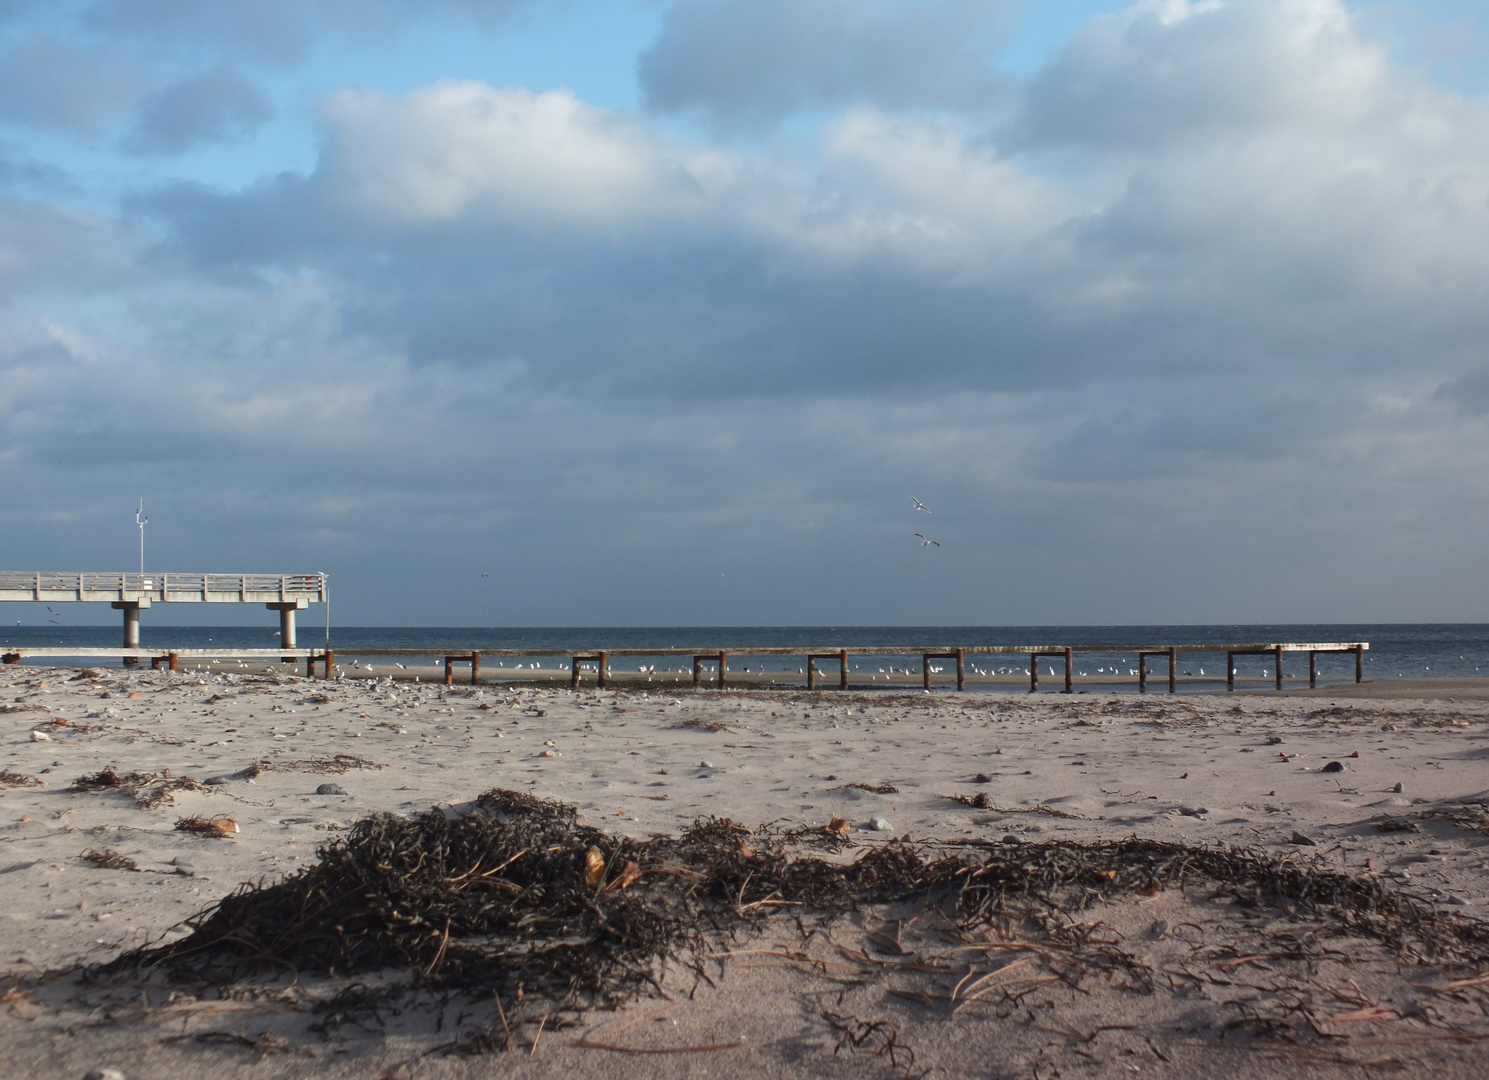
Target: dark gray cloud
(216, 106)
(47, 83)
(273, 31)
(760, 60)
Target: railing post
(1173, 669)
(1277, 652)
(1069, 670)
(961, 669)
(842, 669)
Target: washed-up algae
(518, 900)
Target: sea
(1397, 650)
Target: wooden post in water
(842, 669)
(961, 669)
(1033, 672)
(1278, 661)
(723, 667)
(1069, 670)
(475, 667)
(1312, 669)
(1142, 673)
(925, 670)
(697, 672)
(574, 673)
(1230, 671)
(449, 670)
(811, 672)
(604, 676)
(1173, 669)
(1359, 663)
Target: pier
(132, 593)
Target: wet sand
(1194, 768)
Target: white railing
(160, 586)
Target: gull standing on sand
(924, 542)
(920, 505)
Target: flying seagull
(920, 505)
(928, 543)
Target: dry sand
(1213, 986)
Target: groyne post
(961, 670)
(1359, 663)
(1069, 670)
(1033, 672)
(842, 669)
(1277, 663)
(1173, 669)
(1230, 671)
(1312, 669)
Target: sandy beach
(1166, 982)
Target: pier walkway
(131, 593)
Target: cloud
(47, 83)
(752, 61)
(274, 31)
(1169, 71)
(217, 106)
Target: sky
(657, 312)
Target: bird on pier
(925, 542)
(920, 505)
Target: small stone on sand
(1333, 766)
(330, 789)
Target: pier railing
(41, 586)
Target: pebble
(1011, 839)
(1397, 788)
(40, 736)
(982, 778)
(1274, 740)
(1457, 900)
(879, 824)
(1302, 841)
(705, 764)
(330, 789)
(1333, 766)
(219, 781)
(104, 1074)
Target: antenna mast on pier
(141, 520)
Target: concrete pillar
(131, 609)
(287, 611)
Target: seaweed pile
(519, 901)
(148, 790)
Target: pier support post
(1230, 671)
(131, 609)
(1312, 669)
(574, 673)
(961, 669)
(287, 611)
(1173, 669)
(174, 659)
(1359, 663)
(1069, 670)
(1033, 672)
(1277, 654)
(330, 662)
(842, 669)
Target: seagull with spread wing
(925, 542)
(920, 505)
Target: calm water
(1397, 650)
